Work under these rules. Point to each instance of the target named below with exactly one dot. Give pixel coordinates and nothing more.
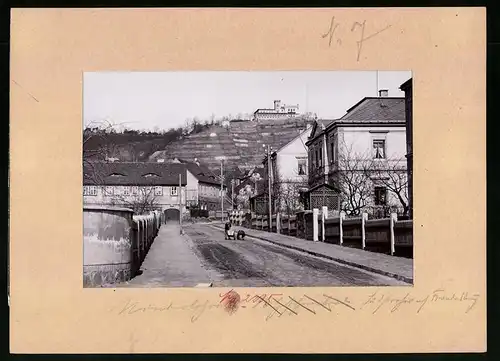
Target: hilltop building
(279, 111)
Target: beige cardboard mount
(52, 48)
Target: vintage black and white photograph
(247, 179)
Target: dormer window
(117, 175)
(148, 175)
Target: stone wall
(115, 243)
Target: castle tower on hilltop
(280, 111)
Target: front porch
(321, 195)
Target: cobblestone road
(237, 263)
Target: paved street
(203, 256)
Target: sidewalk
(396, 267)
(170, 262)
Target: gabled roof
(299, 136)
(201, 172)
(407, 84)
(379, 110)
(318, 126)
(133, 174)
(261, 184)
(322, 185)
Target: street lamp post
(180, 203)
(269, 169)
(221, 191)
(232, 194)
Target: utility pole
(221, 192)
(232, 194)
(180, 202)
(269, 168)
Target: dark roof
(261, 184)
(376, 110)
(321, 185)
(406, 84)
(317, 128)
(203, 174)
(133, 173)
(325, 122)
(200, 171)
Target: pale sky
(145, 100)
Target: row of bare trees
(141, 200)
(357, 175)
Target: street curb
(339, 260)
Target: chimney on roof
(196, 161)
(383, 93)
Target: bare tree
(286, 191)
(358, 173)
(243, 197)
(353, 180)
(289, 195)
(141, 199)
(97, 146)
(392, 175)
(188, 127)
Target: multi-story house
(407, 87)
(289, 167)
(204, 185)
(353, 159)
(279, 111)
(144, 186)
(140, 186)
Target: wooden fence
(386, 235)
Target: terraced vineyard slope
(240, 142)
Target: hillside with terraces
(240, 142)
